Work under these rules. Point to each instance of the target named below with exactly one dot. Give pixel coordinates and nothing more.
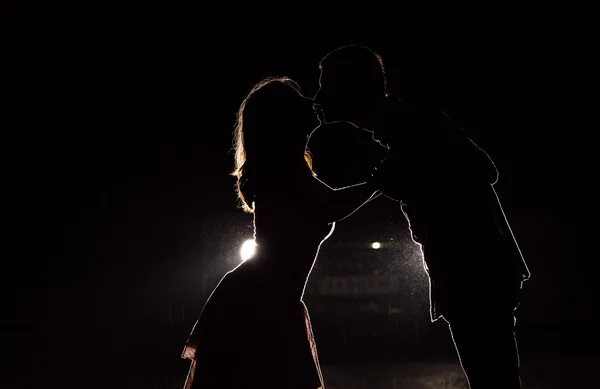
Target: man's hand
(386, 178)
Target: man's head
(352, 84)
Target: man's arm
(339, 203)
(479, 158)
(343, 155)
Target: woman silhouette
(254, 330)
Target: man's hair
(364, 64)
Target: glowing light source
(248, 249)
(376, 245)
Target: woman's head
(270, 133)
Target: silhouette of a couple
(254, 331)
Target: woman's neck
(285, 266)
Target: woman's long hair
(249, 132)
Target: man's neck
(379, 119)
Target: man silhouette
(444, 183)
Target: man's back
(445, 184)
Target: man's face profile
(342, 96)
(329, 100)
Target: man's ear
(380, 108)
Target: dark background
(129, 218)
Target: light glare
(248, 249)
(376, 245)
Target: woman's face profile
(310, 118)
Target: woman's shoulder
(231, 292)
(237, 278)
